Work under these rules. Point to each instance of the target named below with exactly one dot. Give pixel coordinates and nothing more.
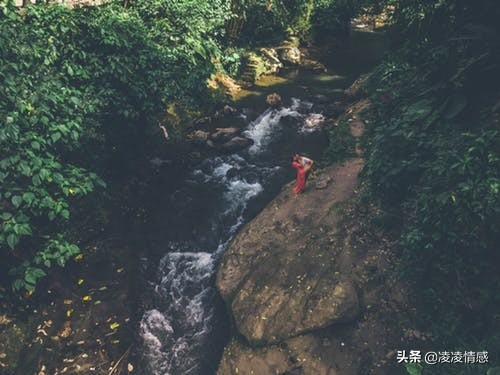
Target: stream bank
(310, 283)
(86, 320)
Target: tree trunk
(236, 23)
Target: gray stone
(305, 355)
(198, 137)
(222, 135)
(290, 55)
(277, 282)
(274, 100)
(236, 143)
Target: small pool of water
(354, 56)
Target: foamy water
(178, 329)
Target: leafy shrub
(80, 89)
(434, 158)
(267, 22)
(341, 142)
(43, 120)
(331, 17)
(232, 61)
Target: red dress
(301, 177)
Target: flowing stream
(180, 329)
(184, 327)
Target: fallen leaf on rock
(130, 367)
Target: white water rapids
(178, 330)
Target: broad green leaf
(36, 180)
(17, 200)
(413, 368)
(12, 240)
(65, 214)
(6, 216)
(29, 278)
(29, 197)
(55, 137)
(37, 272)
(17, 284)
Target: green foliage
(271, 21)
(232, 61)
(189, 33)
(76, 85)
(341, 142)
(332, 16)
(413, 368)
(434, 158)
(42, 122)
(56, 251)
(262, 21)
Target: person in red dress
(303, 165)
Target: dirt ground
(78, 322)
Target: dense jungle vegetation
(434, 163)
(84, 89)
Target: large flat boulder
(280, 276)
(304, 355)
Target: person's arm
(307, 163)
(297, 165)
(306, 160)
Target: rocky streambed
(309, 283)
